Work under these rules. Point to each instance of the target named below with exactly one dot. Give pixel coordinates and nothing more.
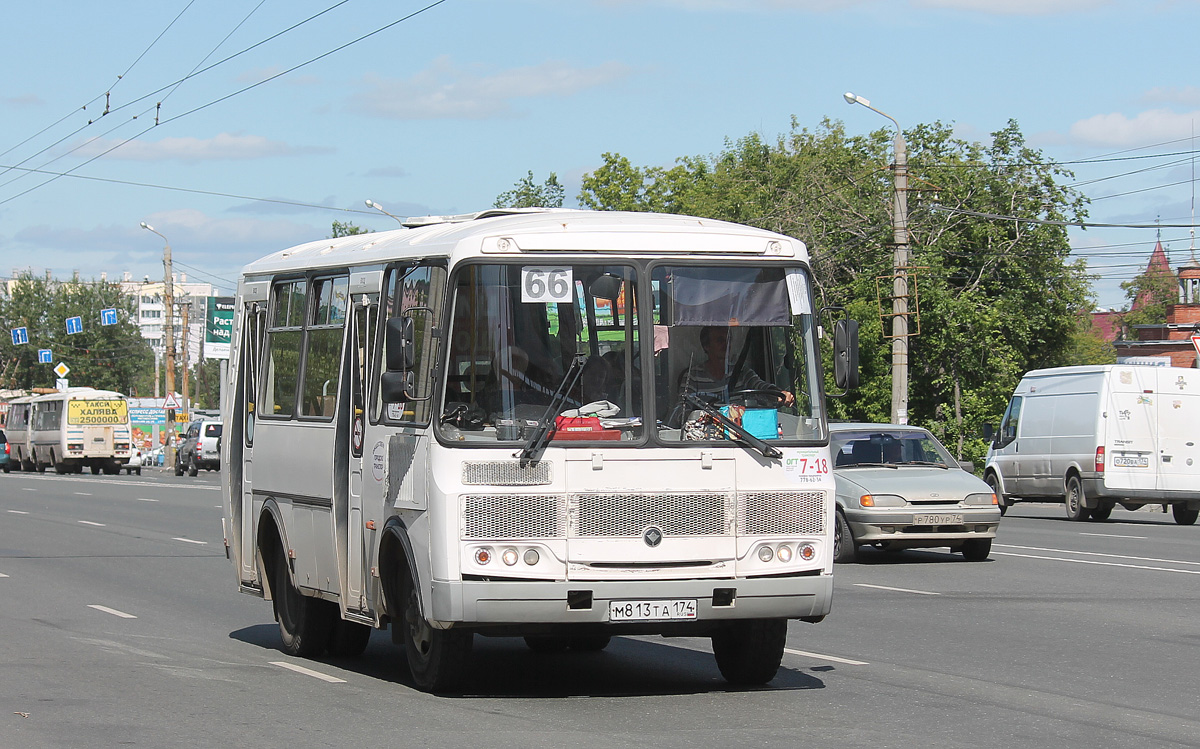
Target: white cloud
(1150, 126)
(223, 147)
(1016, 7)
(1186, 95)
(445, 90)
(23, 102)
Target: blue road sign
(74, 325)
(45, 356)
(20, 335)
(108, 316)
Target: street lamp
(372, 204)
(169, 338)
(900, 269)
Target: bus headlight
(531, 557)
(807, 552)
(483, 555)
(765, 553)
(509, 557)
(784, 553)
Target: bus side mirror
(989, 432)
(396, 387)
(399, 343)
(845, 354)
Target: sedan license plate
(632, 611)
(1131, 461)
(941, 519)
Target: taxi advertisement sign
(97, 413)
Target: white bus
(499, 424)
(16, 429)
(80, 427)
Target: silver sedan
(899, 488)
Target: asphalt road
(121, 625)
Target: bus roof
(520, 232)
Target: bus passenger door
(360, 345)
(244, 416)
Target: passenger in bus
(713, 374)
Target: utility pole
(899, 268)
(168, 339)
(187, 409)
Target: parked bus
(498, 424)
(80, 427)
(16, 429)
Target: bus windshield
(739, 338)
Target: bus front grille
(783, 513)
(628, 515)
(514, 516)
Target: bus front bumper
(475, 603)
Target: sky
(237, 129)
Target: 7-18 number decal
(545, 285)
(808, 465)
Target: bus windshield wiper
(537, 443)
(767, 450)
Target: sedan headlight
(981, 499)
(881, 500)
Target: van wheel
(1074, 500)
(178, 466)
(976, 549)
(1102, 511)
(993, 481)
(590, 643)
(547, 643)
(1184, 516)
(192, 469)
(437, 658)
(845, 549)
(749, 652)
(304, 622)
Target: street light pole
(372, 204)
(899, 268)
(169, 338)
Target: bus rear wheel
(305, 623)
(1184, 516)
(437, 658)
(749, 652)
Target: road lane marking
(821, 657)
(84, 494)
(1099, 563)
(89, 522)
(190, 541)
(18, 512)
(308, 672)
(898, 590)
(1112, 535)
(114, 612)
(27, 489)
(146, 499)
(1097, 554)
(3, 575)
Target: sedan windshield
(893, 447)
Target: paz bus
(494, 425)
(16, 429)
(77, 428)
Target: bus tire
(38, 465)
(547, 643)
(304, 622)
(60, 467)
(95, 470)
(1184, 516)
(1074, 501)
(348, 639)
(749, 652)
(437, 658)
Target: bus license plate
(1131, 461)
(632, 611)
(937, 519)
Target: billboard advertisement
(218, 327)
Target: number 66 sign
(546, 284)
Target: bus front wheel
(305, 623)
(749, 652)
(437, 658)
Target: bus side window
(420, 292)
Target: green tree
(995, 296)
(528, 194)
(346, 229)
(110, 357)
(1150, 293)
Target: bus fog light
(807, 552)
(531, 557)
(785, 554)
(483, 555)
(509, 557)
(765, 553)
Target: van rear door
(1131, 444)
(1178, 401)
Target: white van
(1097, 436)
